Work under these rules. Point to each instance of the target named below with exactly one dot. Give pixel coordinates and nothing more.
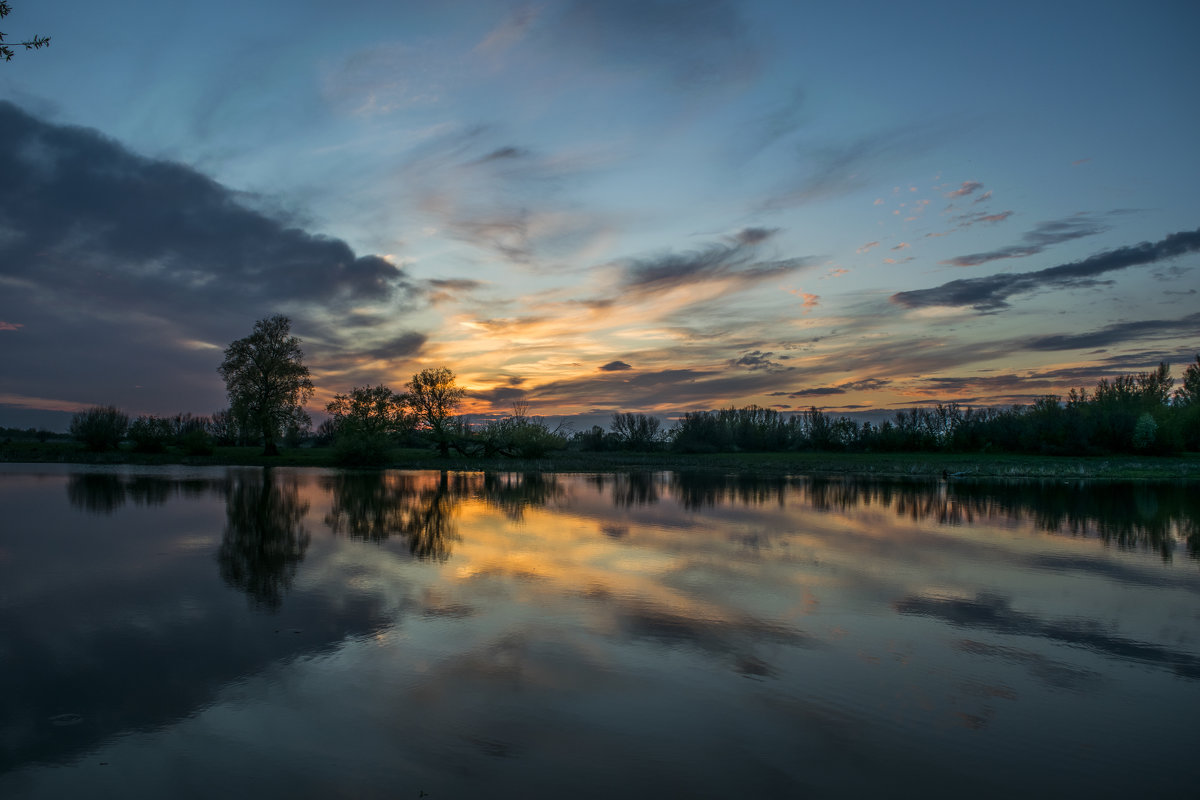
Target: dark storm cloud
(615, 366)
(1035, 241)
(991, 293)
(132, 273)
(81, 207)
(1119, 332)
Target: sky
(590, 207)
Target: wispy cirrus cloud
(967, 187)
(736, 263)
(1119, 332)
(991, 293)
(1044, 235)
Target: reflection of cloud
(994, 613)
(991, 293)
(1058, 674)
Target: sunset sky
(627, 205)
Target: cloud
(499, 394)
(902, 246)
(1035, 241)
(838, 169)
(758, 360)
(866, 385)
(1119, 332)
(503, 153)
(121, 263)
(808, 300)
(968, 187)
(752, 236)
(399, 347)
(693, 43)
(991, 293)
(615, 366)
(10, 326)
(717, 262)
(82, 206)
(867, 247)
(983, 198)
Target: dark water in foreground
(305, 633)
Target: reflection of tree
(1149, 516)
(630, 489)
(513, 492)
(264, 542)
(97, 492)
(421, 507)
(698, 490)
(105, 492)
(377, 506)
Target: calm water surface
(305, 633)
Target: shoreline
(881, 465)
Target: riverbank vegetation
(1118, 428)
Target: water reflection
(105, 492)
(1148, 516)
(470, 634)
(264, 540)
(990, 612)
(376, 506)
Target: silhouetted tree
(636, 431)
(267, 381)
(364, 421)
(150, 434)
(519, 436)
(100, 427)
(34, 43)
(433, 396)
(1187, 406)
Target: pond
(243, 632)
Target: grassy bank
(1186, 467)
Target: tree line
(1134, 413)
(268, 385)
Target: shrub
(196, 442)
(150, 434)
(100, 427)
